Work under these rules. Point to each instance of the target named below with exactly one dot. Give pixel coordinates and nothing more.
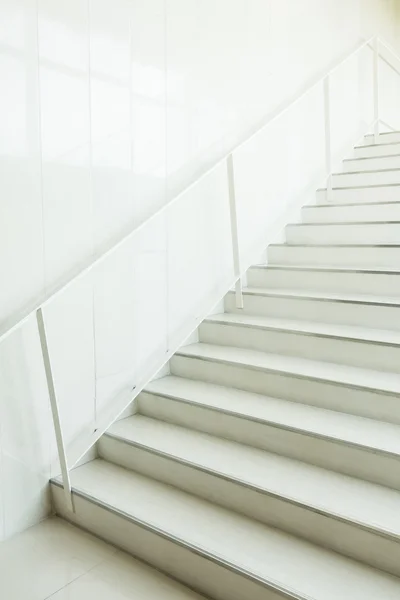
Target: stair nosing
(341, 204)
(382, 133)
(360, 187)
(267, 293)
(375, 145)
(286, 372)
(274, 424)
(195, 549)
(375, 529)
(327, 269)
(345, 223)
(294, 331)
(373, 157)
(285, 245)
(339, 174)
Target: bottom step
(213, 550)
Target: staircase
(267, 465)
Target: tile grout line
(102, 561)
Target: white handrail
(42, 302)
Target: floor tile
(45, 558)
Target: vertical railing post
(54, 410)
(234, 231)
(376, 90)
(328, 145)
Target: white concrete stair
(323, 507)
(371, 150)
(360, 194)
(266, 465)
(340, 442)
(340, 308)
(347, 213)
(383, 175)
(217, 551)
(356, 346)
(348, 233)
(386, 137)
(372, 163)
(337, 387)
(349, 280)
(363, 255)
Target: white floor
(58, 561)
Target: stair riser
(347, 214)
(322, 452)
(306, 390)
(372, 164)
(340, 180)
(277, 511)
(352, 234)
(335, 281)
(371, 257)
(195, 569)
(372, 150)
(390, 193)
(342, 351)
(325, 311)
(383, 138)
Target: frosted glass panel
(390, 93)
(199, 249)
(130, 311)
(350, 91)
(69, 325)
(276, 166)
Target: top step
(387, 137)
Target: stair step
(347, 213)
(355, 346)
(358, 310)
(360, 194)
(327, 279)
(371, 150)
(322, 507)
(343, 388)
(218, 552)
(385, 161)
(366, 256)
(347, 444)
(381, 176)
(344, 233)
(386, 137)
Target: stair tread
(344, 223)
(362, 172)
(345, 204)
(327, 269)
(323, 295)
(350, 246)
(271, 555)
(301, 367)
(364, 334)
(315, 487)
(351, 429)
(379, 156)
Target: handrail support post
(54, 410)
(328, 145)
(376, 90)
(234, 231)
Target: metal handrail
(37, 308)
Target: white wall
(108, 108)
